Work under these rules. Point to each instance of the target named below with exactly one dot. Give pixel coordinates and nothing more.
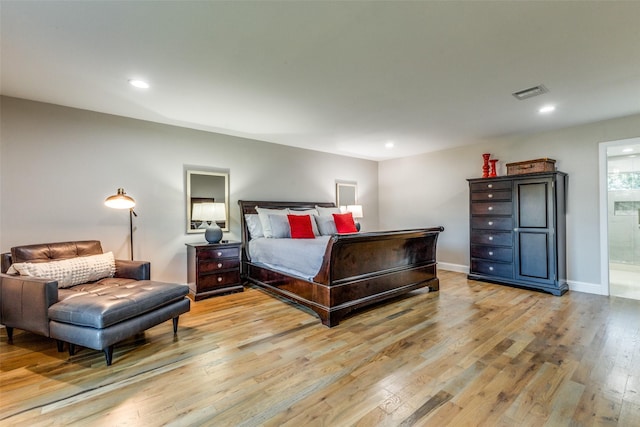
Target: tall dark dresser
(518, 230)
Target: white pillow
(263, 214)
(280, 228)
(326, 225)
(69, 272)
(254, 225)
(311, 212)
(327, 211)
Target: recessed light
(389, 144)
(141, 84)
(627, 150)
(547, 109)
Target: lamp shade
(120, 200)
(203, 211)
(219, 212)
(356, 210)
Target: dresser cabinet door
(534, 230)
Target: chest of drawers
(213, 269)
(517, 230)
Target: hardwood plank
(472, 354)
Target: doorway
(623, 217)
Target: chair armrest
(138, 270)
(25, 301)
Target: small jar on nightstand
(213, 269)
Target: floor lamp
(122, 201)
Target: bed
(356, 269)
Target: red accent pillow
(344, 223)
(301, 227)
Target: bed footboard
(365, 268)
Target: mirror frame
(190, 200)
(345, 186)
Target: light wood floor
(472, 354)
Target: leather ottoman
(98, 316)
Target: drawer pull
(490, 208)
(490, 237)
(490, 185)
(219, 265)
(490, 196)
(490, 268)
(490, 223)
(491, 253)
(219, 253)
(219, 279)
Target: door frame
(604, 207)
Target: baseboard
(589, 288)
(458, 268)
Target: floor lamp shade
(121, 200)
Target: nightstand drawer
(215, 253)
(489, 208)
(207, 266)
(498, 238)
(492, 223)
(492, 268)
(221, 279)
(493, 253)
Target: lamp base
(213, 233)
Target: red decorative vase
(493, 167)
(485, 167)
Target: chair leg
(108, 354)
(175, 324)
(9, 334)
(72, 349)
(60, 345)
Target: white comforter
(298, 257)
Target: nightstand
(213, 269)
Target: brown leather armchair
(94, 315)
(24, 301)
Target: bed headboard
(249, 207)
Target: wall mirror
(207, 200)
(346, 193)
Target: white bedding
(298, 257)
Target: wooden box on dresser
(518, 230)
(213, 269)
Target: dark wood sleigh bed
(357, 269)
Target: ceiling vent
(531, 92)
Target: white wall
(431, 189)
(58, 165)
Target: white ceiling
(342, 77)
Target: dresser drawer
(488, 186)
(489, 208)
(210, 281)
(488, 196)
(209, 265)
(493, 253)
(491, 238)
(492, 223)
(219, 253)
(492, 268)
